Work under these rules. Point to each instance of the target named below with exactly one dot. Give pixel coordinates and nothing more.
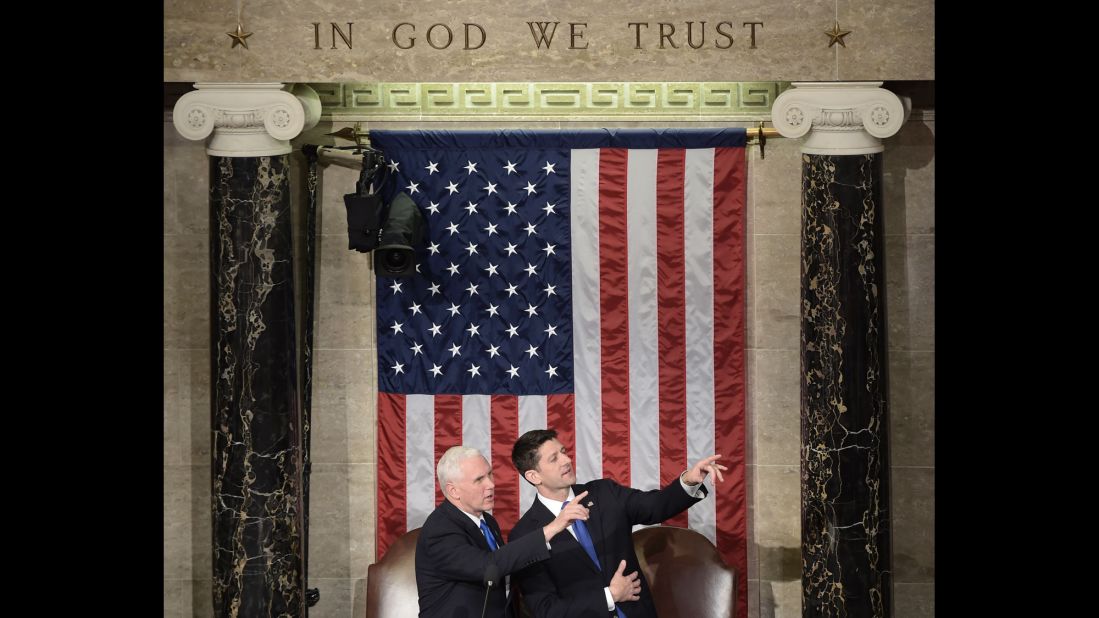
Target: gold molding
(382, 101)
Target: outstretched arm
(456, 557)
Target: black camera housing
(362, 221)
(402, 233)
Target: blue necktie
(488, 536)
(585, 541)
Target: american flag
(587, 281)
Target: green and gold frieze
(548, 100)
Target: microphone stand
(492, 573)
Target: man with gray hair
(460, 544)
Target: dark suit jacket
(451, 556)
(569, 585)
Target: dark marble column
(257, 469)
(257, 473)
(845, 514)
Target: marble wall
(889, 40)
(341, 540)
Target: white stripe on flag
(699, 257)
(584, 222)
(644, 372)
(419, 458)
(476, 423)
(532, 415)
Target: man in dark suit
(586, 575)
(460, 539)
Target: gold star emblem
(836, 35)
(239, 36)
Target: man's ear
(533, 477)
(450, 491)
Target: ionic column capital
(840, 117)
(246, 120)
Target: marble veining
(257, 511)
(844, 473)
(309, 284)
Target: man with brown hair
(593, 570)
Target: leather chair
(391, 582)
(685, 572)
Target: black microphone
(492, 573)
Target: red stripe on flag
(614, 330)
(729, 395)
(614, 315)
(671, 321)
(448, 429)
(392, 511)
(560, 416)
(505, 431)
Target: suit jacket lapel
(565, 541)
(466, 524)
(494, 527)
(595, 529)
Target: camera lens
(396, 260)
